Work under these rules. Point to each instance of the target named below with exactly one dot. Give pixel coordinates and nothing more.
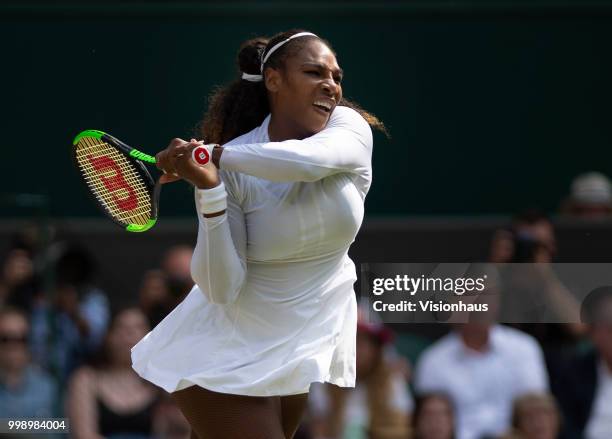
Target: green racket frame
(137, 157)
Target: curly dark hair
(240, 106)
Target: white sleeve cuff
(212, 200)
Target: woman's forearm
(344, 146)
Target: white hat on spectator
(591, 188)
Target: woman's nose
(330, 87)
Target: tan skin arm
(175, 161)
(81, 404)
(565, 304)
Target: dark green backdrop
(492, 106)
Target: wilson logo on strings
(115, 183)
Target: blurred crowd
(65, 348)
(65, 352)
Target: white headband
(252, 78)
(258, 78)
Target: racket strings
(138, 215)
(131, 177)
(131, 186)
(116, 188)
(104, 193)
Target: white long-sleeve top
(273, 308)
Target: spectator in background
(17, 281)
(532, 292)
(531, 237)
(433, 417)
(585, 392)
(534, 289)
(535, 416)
(71, 328)
(590, 197)
(483, 367)
(25, 390)
(154, 296)
(379, 406)
(109, 399)
(176, 264)
(162, 290)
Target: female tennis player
(273, 308)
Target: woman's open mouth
(323, 106)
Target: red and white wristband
(202, 154)
(212, 200)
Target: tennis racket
(117, 179)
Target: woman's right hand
(176, 163)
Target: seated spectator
(585, 392)
(162, 290)
(67, 331)
(379, 406)
(25, 390)
(483, 367)
(531, 292)
(530, 238)
(535, 294)
(176, 265)
(154, 296)
(535, 416)
(433, 417)
(17, 279)
(590, 197)
(109, 399)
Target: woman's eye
(313, 72)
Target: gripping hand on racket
(177, 162)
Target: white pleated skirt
(263, 344)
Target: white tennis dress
(273, 308)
